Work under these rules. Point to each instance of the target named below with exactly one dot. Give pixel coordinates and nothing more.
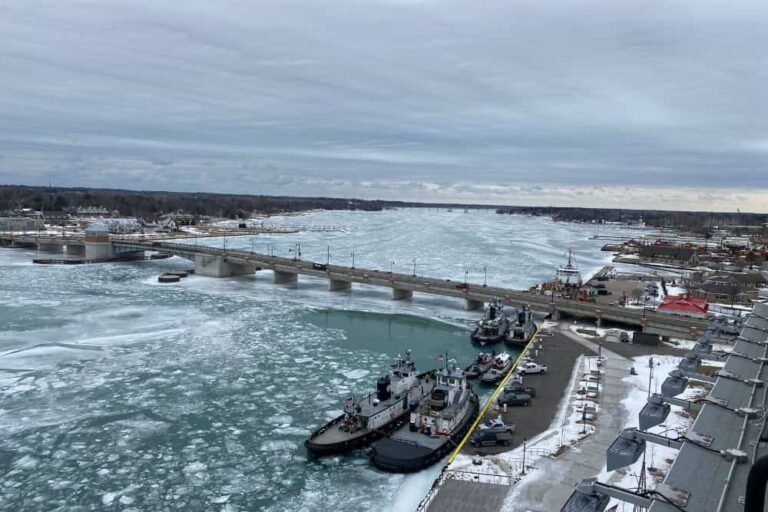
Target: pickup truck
(531, 367)
(514, 398)
(487, 438)
(519, 388)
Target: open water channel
(119, 393)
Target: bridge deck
(654, 321)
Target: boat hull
(481, 339)
(395, 456)
(485, 379)
(317, 450)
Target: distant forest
(695, 222)
(152, 204)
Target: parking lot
(559, 354)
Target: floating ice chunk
(195, 467)
(108, 497)
(26, 462)
(356, 374)
(126, 500)
(221, 499)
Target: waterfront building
(684, 305)
(668, 255)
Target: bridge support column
(398, 294)
(99, 251)
(280, 277)
(337, 285)
(74, 250)
(599, 316)
(554, 314)
(219, 266)
(644, 325)
(472, 305)
(49, 247)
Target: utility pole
(524, 447)
(414, 267)
(485, 276)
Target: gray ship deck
(405, 434)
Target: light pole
(466, 273)
(524, 447)
(414, 267)
(328, 256)
(353, 259)
(485, 276)
(391, 269)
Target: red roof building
(684, 305)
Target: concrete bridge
(216, 262)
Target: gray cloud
(433, 99)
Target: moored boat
(480, 365)
(502, 363)
(569, 275)
(435, 427)
(375, 415)
(493, 327)
(523, 328)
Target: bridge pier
(599, 318)
(554, 314)
(219, 266)
(399, 294)
(50, 247)
(74, 250)
(338, 285)
(472, 305)
(280, 277)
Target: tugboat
(375, 415)
(493, 327)
(523, 329)
(569, 275)
(435, 427)
(502, 363)
(481, 365)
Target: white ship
(569, 275)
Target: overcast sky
(591, 103)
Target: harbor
(344, 351)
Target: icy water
(118, 393)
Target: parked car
(319, 266)
(531, 367)
(624, 337)
(485, 438)
(514, 398)
(462, 286)
(519, 388)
